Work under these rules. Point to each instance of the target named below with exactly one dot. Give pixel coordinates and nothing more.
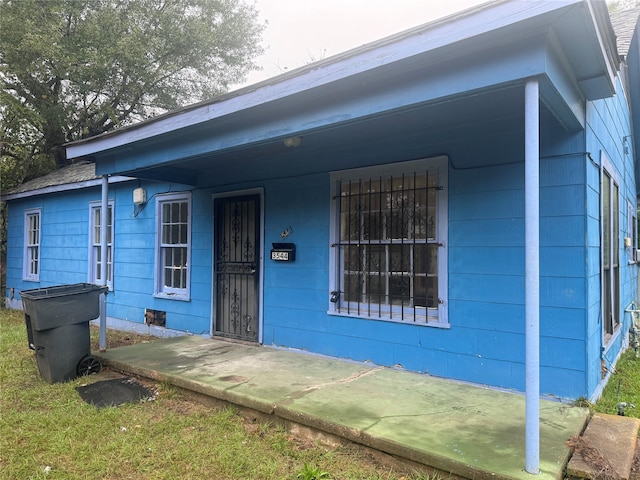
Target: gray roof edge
(62, 188)
(625, 24)
(298, 71)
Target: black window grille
(388, 247)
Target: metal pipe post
(104, 211)
(532, 275)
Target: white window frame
(94, 257)
(161, 289)
(632, 252)
(610, 277)
(433, 317)
(32, 256)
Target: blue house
(458, 199)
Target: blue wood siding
(65, 247)
(485, 339)
(608, 123)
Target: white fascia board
(610, 56)
(419, 40)
(65, 187)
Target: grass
(47, 431)
(623, 386)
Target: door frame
(259, 249)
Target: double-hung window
(389, 254)
(31, 257)
(610, 264)
(173, 213)
(96, 269)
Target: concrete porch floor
(467, 430)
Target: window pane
(348, 230)
(167, 277)
(376, 258)
(399, 290)
(426, 259)
(33, 260)
(371, 216)
(616, 225)
(376, 289)
(174, 234)
(352, 287)
(183, 278)
(109, 264)
(109, 224)
(184, 212)
(399, 257)
(606, 220)
(183, 234)
(98, 270)
(426, 292)
(352, 258)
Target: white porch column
(532, 274)
(104, 211)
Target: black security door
(237, 243)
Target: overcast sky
(300, 31)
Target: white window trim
(160, 291)
(110, 242)
(631, 233)
(26, 263)
(439, 164)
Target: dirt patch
(118, 338)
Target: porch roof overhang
(633, 72)
(466, 72)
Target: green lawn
(47, 431)
(623, 386)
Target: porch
(464, 429)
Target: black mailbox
(283, 252)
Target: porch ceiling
(394, 136)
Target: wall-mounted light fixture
(139, 200)
(139, 196)
(292, 142)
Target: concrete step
(606, 448)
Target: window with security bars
(389, 250)
(96, 270)
(31, 265)
(174, 238)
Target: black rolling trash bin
(57, 321)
